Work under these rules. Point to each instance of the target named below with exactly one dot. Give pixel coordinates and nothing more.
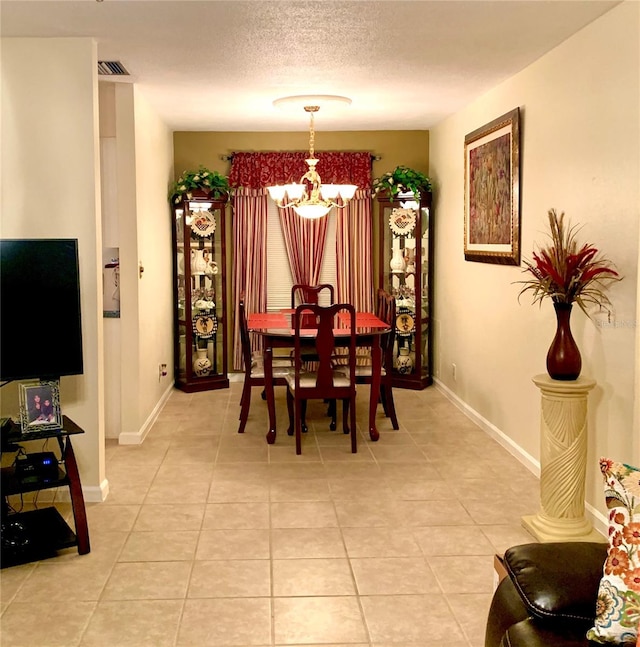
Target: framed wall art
(40, 405)
(492, 192)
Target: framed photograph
(492, 192)
(40, 405)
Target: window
(279, 280)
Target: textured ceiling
(219, 64)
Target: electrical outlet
(162, 371)
(453, 371)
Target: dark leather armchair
(549, 597)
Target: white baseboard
(137, 437)
(599, 521)
(91, 494)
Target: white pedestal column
(563, 461)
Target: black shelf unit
(40, 533)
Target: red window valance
(258, 170)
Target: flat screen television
(40, 323)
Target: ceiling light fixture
(310, 198)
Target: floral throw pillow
(618, 606)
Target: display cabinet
(200, 294)
(406, 271)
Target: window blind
(279, 279)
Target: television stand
(39, 534)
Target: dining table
(276, 331)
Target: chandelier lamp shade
(310, 198)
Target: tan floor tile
(471, 611)
(462, 573)
(505, 536)
(318, 619)
(243, 454)
(59, 624)
(343, 453)
(143, 623)
(11, 581)
(219, 516)
(83, 581)
(380, 542)
(431, 513)
(393, 575)
(233, 544)
(360, 489)
(365, 514)
(111, 517)
(233, 621)
(170, 517)
(178, 492)
(308, 577)
(293, 543)
(236, 490)
(299, 490)
(148, 581)
(159, 546)
(313, 514)
(453, 540)
(232, 578)
(422, 619)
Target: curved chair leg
(290, 412)
(391, 407)
(303, 417)
(298, 425)
(245, 402)
(354, 441)
(345, 415)
(332, 412)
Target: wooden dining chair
(325, 382)
(301, 293)
(385, 310)
(254, 368)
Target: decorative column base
(563, 457)
(546, 529)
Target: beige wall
(397, 147)
(50, 189)
(154, 321)
(579, 153)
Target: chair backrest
(245, 341)
(301, 293)
(322, 342)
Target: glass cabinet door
(405, 264)
(200, 295)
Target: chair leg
(345, 416)
(298, 425)
(303, 417)
(290, 412)
(245, 402)
(391, 407)
(332, 412)
(354, 441)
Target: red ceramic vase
(563, 359)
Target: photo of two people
(40, 405)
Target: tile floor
(211, 538)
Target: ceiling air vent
(112, 68)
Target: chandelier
(310, 198)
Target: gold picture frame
(492, 191)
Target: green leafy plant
(203, 179)
(402, 180)
(567, 272)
